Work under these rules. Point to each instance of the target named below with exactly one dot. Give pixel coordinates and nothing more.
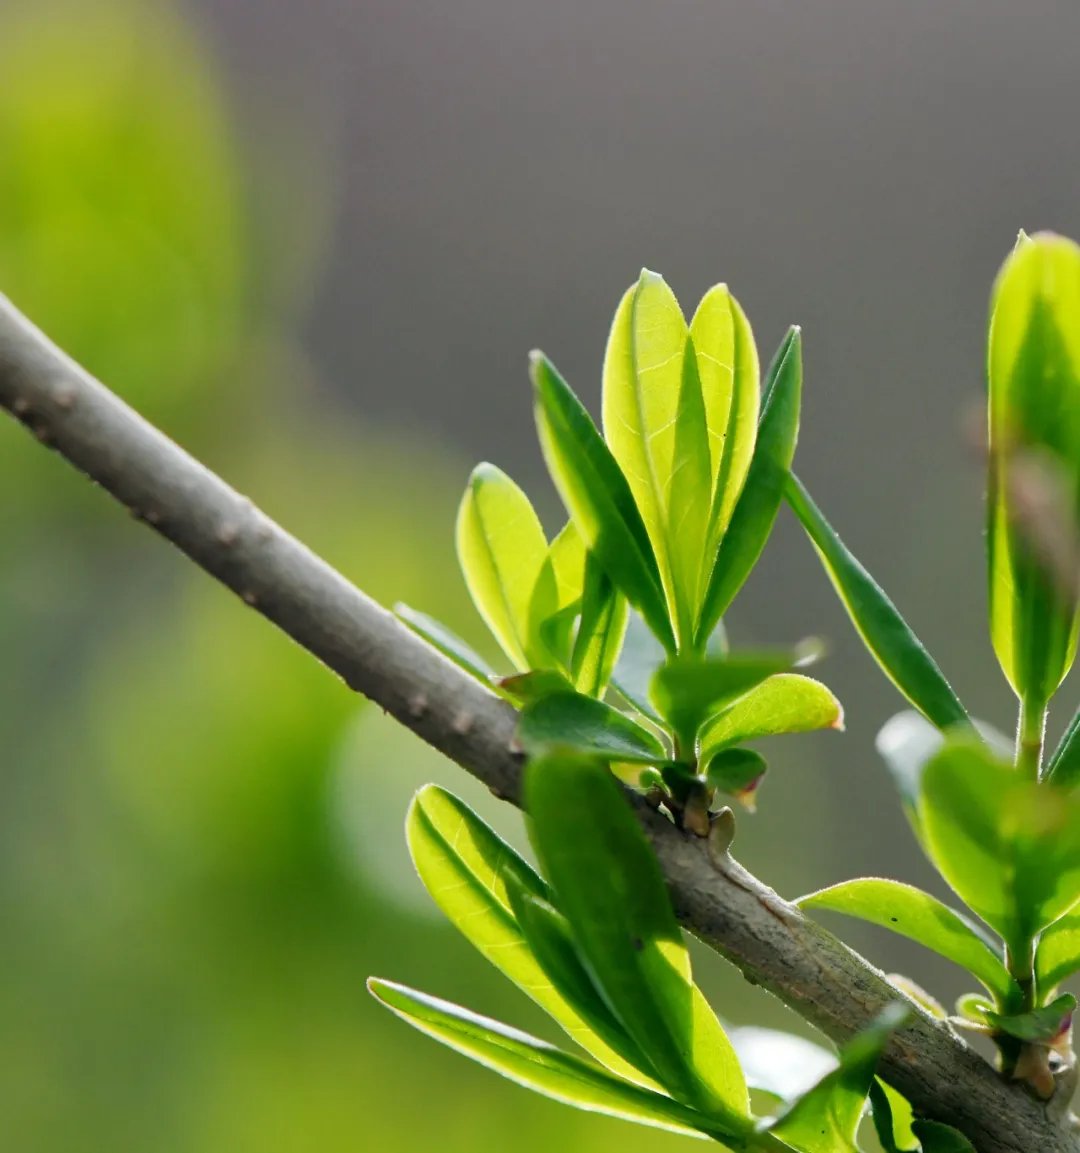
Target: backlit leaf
(781, 1064)
(600, 632)
(1057, 955)
(1041, 1025)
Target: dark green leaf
(598, 497)
(601, 631)
(784, 703)
(737, 772)
(1043, 1025)
(532, 1063)
(687, 690)
(912, 913)
(469, 872)
(753, 516)
(1063, 768)
(938, 1138)
(1008, 846)
(884, 631)
(825, 1119)
(527, 687)
(609, 887)
(447, 642)
(574, 721)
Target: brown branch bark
(770, 941)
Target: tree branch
(770, 941)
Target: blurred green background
(314, 242)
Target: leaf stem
(1030, 734)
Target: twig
(771, 942)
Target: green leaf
(687, 690)
(784, 703)
(598, 497)
(501, 549)
(892, 1116)
(548, 936)
(563, 570)
(754, 514)
(884, 631)
(1057, 954)
(1034, 375)
(825, 1119)
(737, 772)
(584, 724)
(781, 1064)
(1063, 767)
(447, 642)
(609, 887)
(601, 631)
(912, 913)
(729, 372)
(935, 1137)
(1040, 1025)
(1008, 846)
(523, 688)
(532, 1063)
(469, 871)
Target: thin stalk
(1030, 734)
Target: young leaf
(501, 549)
(601, 631)
(784, 703)
(609, 887)
(912, 913)
(753, 516)
(1040, 1025)
(563, 569)
(884, 631)
(586, 725)
(825, 1119)
(598, 497)
(781, 1064)
(1008, 846)
(524, 688)
(1057, 955)
(534, 1064)
(737, 772)
(687, 690)
(469, 872)
(447, 642)
(641, 655)
(729, 372)
(1034, 376)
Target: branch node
(463, 723)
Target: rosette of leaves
(594, 942)
(614, 628)
(1003, 831)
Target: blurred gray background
(423, 192)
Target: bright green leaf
(468, 870)
(1008, 846)
(501, 549)
(447, 642)
(609, 886)
(1034, 376)
(575, 721)
(884, 631)
(728, 367)
(1057, 955)
(892, 1116)
(532, 1063)
(825, 1119)
(687, 690)
(600, 632)
(527, 687)
(784, 703)
(598, 497)
(737, 772)
(912, 913)
(1041, 1025)
(753, 516)
(564, 571)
